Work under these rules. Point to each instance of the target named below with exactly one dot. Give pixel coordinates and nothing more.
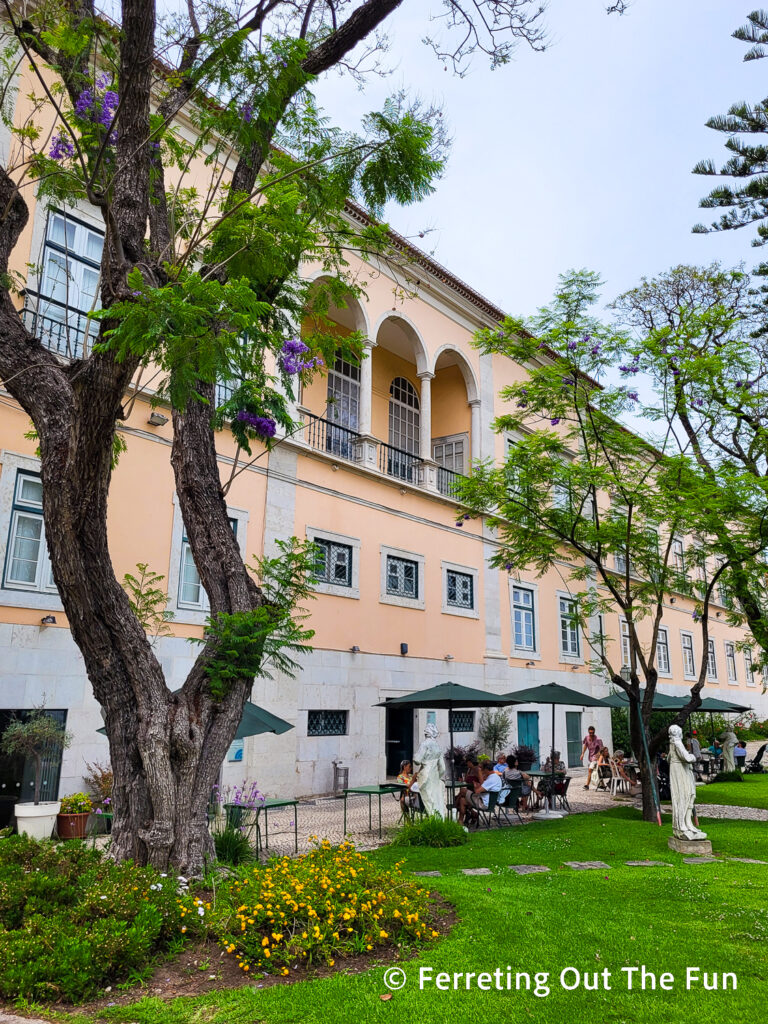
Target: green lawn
(711, 916)
(752, 791)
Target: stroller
(754, 767)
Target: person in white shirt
(490, 782)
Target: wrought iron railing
(398, 463)
(327, 436)
(59, 327)
(448, 480)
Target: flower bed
(73, 921)
(332, 902)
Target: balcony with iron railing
(59, 327)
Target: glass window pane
(25, 548)
(94, 245)
(191, 589)
(30, 490)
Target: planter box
(72, 826)
(36, 820)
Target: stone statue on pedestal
(429, 765)
(683, 787)
(729, 745)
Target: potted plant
(100, 781)
(73, 816)
(36, 736)
(525, 756)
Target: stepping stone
(748, 860)
(699, 860)
(587, 865)
(528, 869)
(476, 871)
(428, 874)
(648, 863)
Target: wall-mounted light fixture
(717, 615)
(355, 649)
(673, 600)
(447, 657)
(157, 419)
(530, 664)
(574, 668)
(48, 620)
(403, 648)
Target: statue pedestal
(692, 847)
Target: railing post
(426, 474)
(365, 447)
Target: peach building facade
(405, 596)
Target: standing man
(592, 744)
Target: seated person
(559, 766)
(489, 782)
(408, 797)
(740, 753)
(512, 774)
(715, 748)
(693, 745)
(471, 776)
(501, 764)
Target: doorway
(398, 737)
(573, 736)
(528, 730)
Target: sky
(579, 156)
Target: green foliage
(430, 831)
(734, 776)
(73, 921)
(245, 644)
(329, 903)
(494, 728)
(76, 803)
(232, 846)
(148, 600)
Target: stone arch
(396, 332)
(353, 316)
(452, 355)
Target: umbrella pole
(552, 764)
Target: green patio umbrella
(661, 701)
(555, 694)
(447, 696)
(713, 704)
(254, 722)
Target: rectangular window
(678, 556)
(462, 721)
(524, 619)
(402, 577)
(662, 652)
(689, 659)
(69, 285)
(561, 496)
(711, 659)
(334, 563)
(191, 591)
(748, 669)
(723, 594)
(625, 647)
(327, 723)
(460, 591)
(730, 662)
(27, 564)
(569, 632)
(449, 452)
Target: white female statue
(683, 786)
(729, 745)
(429, 765)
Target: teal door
(528, 729)
(573, 734)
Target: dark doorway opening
(17, 775)
(399, 737)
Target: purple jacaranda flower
(467, 515)
(246, 112)
(632, 396)
(154, 145)
(572, 346)
(264, 426)
(508, 566)
(587, 338)
(696, 616)
(98, 811)
(698, 402)
(555, 420)
(84, 104)
(630, 369)
(568, 382)
(291, 358)
(542, 344)
(103, 81)
(61, 148)
(675, 372)
(595, 350)
(459, 522)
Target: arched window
(403, 428)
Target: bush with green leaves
(431, 831)
(735, 776)
(76, 803)
(232, 846)
(73, 921)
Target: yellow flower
(383, 934)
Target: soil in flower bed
(204, 967)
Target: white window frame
(686, 634)
(667, 672)
(15, 596)
(334, 589)
(453, 439)
(567, 657)
(397, 599)
(711, 660)
(26, 509)
(731, 671)
(626, 648)
(452, 609)
(525, 652)
(195, 615)
(678, 555)
(749, 670)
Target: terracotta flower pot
(72, 826)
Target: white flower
(102, 897)
(201, 911)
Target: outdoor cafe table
(369, 791)
(540, 774)
(264, 809)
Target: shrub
(459, 756)
(99, 781)
(728, 777)
(331, 902)
(72, 921)
(431, 831)
(232, 846)
(77, 803)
